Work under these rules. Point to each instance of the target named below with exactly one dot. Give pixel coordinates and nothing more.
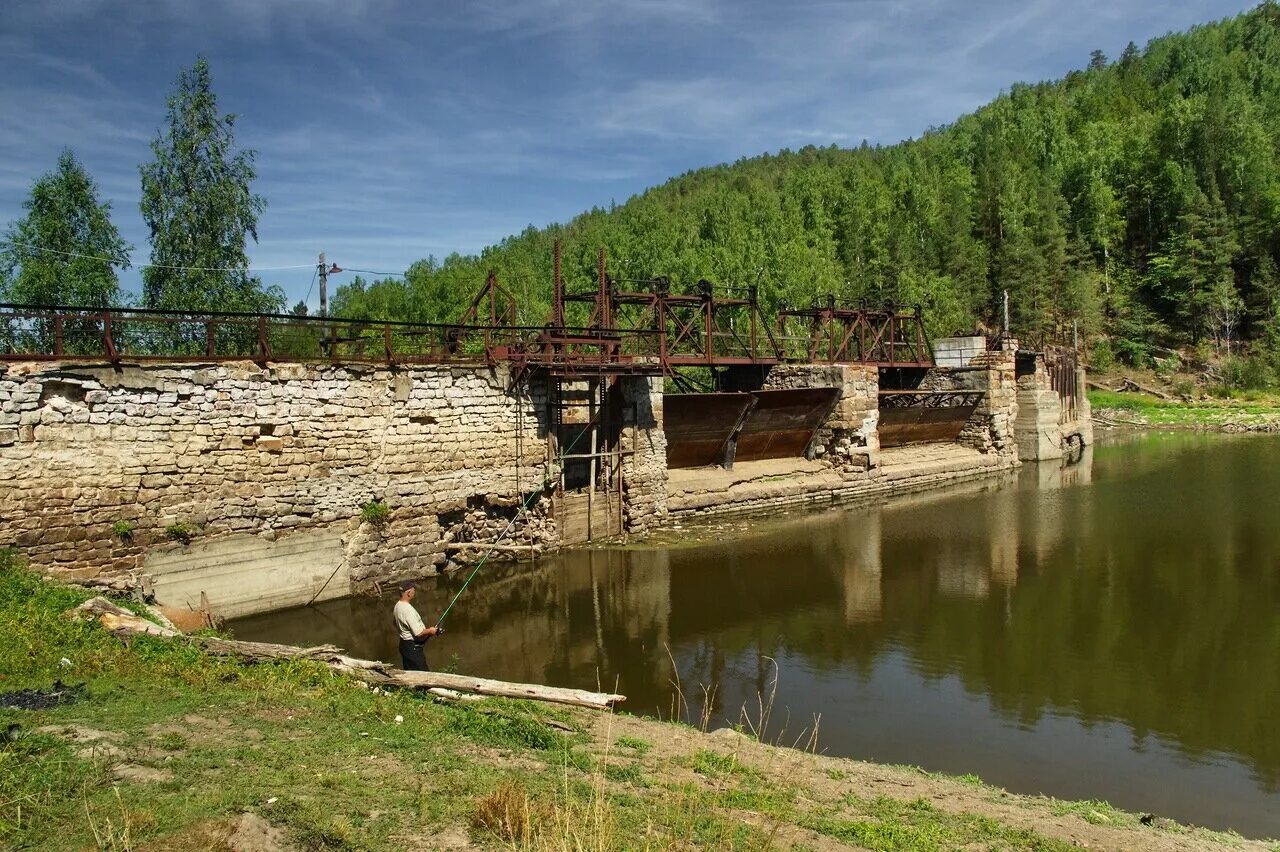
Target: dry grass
(508, 813)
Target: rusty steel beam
(650, 330)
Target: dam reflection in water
(1109, 629)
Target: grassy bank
(168, 748)
(1247, 410)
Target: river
(1108, 629)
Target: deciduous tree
(198, 205)
(66, 250)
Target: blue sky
(386, 131)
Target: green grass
(1207, 412)
(1095, 812)
(640, 746)
(889, 824)
(715, 765)
(323, 758)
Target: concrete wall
(958, 351)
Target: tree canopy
(200, 210)
(1138, 199)
(65, 251)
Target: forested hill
(1139, 196)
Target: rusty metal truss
(646, 329)
(838, 333)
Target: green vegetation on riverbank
(1249, 410)
(167, 747)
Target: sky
(390, 130)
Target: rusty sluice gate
(718, 428)
(915, 417)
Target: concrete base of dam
(763, 486)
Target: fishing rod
(524, 507)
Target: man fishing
(413, 633)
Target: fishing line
(523, 508)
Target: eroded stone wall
(990, 429)
(100, 467)
(644, 447)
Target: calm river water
(1109, 629)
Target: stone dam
(243, 487)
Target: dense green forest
(1138, 198)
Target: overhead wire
(314, 273)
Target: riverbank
(1247, 413)
(168, 748)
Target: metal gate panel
(917, 417)
(782, 423)
(699, 424)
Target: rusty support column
(108, 345)
(490, 284)
(264, 345)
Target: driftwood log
(121, 622)
(1129, 384)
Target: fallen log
(121, 622)
(1130, 385)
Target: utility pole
(324, 286)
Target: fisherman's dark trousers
(412, 657)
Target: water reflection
(1105, 629)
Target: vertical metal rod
(264, 347)
(557, 285)
(490, 283)
(602, 295)
(708, 317)
(593, 425)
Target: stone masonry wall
(849, 439)
(97, 463)
(990, 428)
(1041, 431)
(644, 445)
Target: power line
(117, 261)
(372, 272)
(314, 272)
